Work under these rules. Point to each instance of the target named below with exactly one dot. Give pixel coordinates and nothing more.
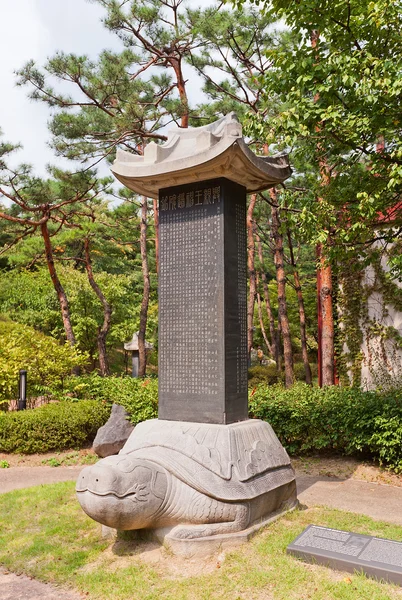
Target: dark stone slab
(203, 303)
(376, 557)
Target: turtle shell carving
(197, 480)
(235, 462)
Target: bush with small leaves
(346, 420)
(46, 361)
(267, 374)
(55, 426)
(138, 396)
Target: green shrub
(270, 375)
(347, 420)
(56, 426)
(46, 361)
(267, 374)
(138, 396)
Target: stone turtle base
(197, 547)
(192, 485)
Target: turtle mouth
(109, 494)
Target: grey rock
(112, 436)
(184, 482)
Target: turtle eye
(126, 465)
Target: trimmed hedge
(346, 420)
(305, 418)
(267, 374)
(55, 426)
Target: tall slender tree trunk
(251, 273)
(107, 313)
(327, 322)
(261, 320)
(278, 344)
(326, 349)
(268, 307)
(281, 281)
(156, 226)
(145, 297)
(61, 294)
(302, 312)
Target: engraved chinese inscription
(190, 242)
(241, 296)
(202, 302)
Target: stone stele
(202, 476)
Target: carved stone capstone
(196, 154)
(186, 482)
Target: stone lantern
(203, 475)
(133, 348)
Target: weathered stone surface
(186, 481)
(198, 153)
(202, 374)
(112, 436)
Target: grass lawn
(44, 533)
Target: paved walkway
(16, 478)
(381, 502)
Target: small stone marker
(376, 557)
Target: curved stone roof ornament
(197, 154)
(133, 344)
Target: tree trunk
(281, 281)
(145, 298)
(156, 226)
(326, 335)
(181, 87)
(264, 335)
(107, 314)
(326, 350)
(61, 294)
(251, 273)
(272, 329)
(302, 313)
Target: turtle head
(122, 492)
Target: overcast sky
(35, 29)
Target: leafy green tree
(122, 99)
(39, 205)
(340, 107)
(46, 361)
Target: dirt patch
(345, 468)
(66, 458)
(121, 554)
(21, 587)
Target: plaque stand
(202, 475)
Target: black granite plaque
(203, 302)
(376, 557)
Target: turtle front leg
(241, 521)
